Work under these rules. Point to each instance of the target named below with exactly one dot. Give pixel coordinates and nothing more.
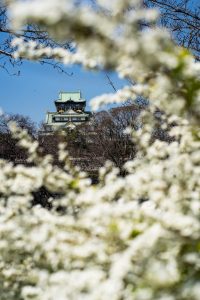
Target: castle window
(60, 119)
(56, 119)
(75, 119)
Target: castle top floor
(70, 101)
(65, 97)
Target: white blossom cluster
(135, 237)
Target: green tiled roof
(65, 96)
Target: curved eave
(69, 101)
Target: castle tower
(70, 111)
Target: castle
(70, 112)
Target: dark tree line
(91, 144)
(104, 138)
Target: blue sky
(33, 92)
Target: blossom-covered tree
(29, 32)
(136, 237)
(181, 17)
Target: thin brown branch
(6, 53)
